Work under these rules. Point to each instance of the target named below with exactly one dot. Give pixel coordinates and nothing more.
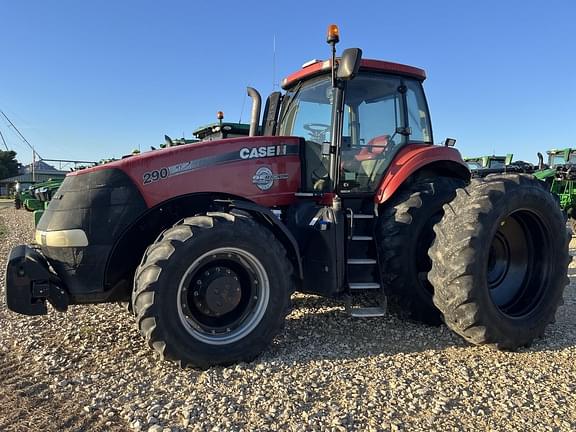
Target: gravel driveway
(90, 370)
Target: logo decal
(246, 153)
(264, 178)
(262, 152)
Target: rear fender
(415, 157)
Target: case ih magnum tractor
(342, 193)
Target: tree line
(9, 166)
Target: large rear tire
(500, 261)
(212, 290)
(404, 235)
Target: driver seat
(371, 156)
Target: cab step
(361, 261)
(363, 285)
(367, 312)
(360, 216)
(365, 297)
(362, 238)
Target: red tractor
(339, 191)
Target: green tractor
(44, 192)
(27, 200)
(218, 131)
(36, 197)
(560, 175)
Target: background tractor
(560, 176)
(27, 200)
(491, 161)
(339, 191)
(485, 165)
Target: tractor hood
(265, 170)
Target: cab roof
(319, 67)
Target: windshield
(473, 165)
(557, 159)
(497, 163)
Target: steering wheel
(317, 131)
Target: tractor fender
(441, 159)
(269, 219)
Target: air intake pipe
(255, 116)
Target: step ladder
(362, 266)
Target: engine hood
(263, 169)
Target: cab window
(417, 113)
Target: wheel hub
(217, 291)
(498, 261)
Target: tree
(8, 164)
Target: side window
(417, 113)
(378, 118)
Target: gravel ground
(89, 369)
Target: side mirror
(349, 63)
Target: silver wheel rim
(252, 317)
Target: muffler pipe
(255, 116)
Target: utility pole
(4, 141)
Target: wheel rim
(517, 268)
(223, 296)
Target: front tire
(212, 290)
(500, 261)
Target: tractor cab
(382, 111)
(364, 125)
(565, 156)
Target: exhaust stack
(540, 161)
(255, 116)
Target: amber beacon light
(333, 36)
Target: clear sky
(91, 80)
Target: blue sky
(90, 80)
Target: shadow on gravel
(319, 329)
